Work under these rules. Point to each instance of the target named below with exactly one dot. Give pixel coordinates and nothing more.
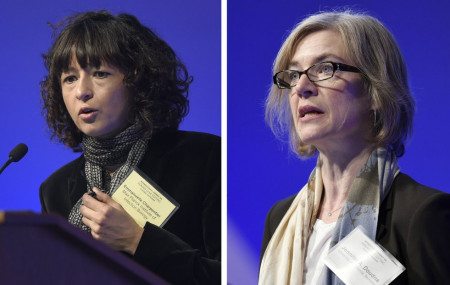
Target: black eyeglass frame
(336, 66)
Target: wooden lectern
(46, 249)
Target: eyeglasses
(286, 79)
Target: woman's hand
(110, 223)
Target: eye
(294, 76)
(101, 74)
(69, 79)
(326, 68)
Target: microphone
(15, 155)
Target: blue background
(260, 169)
(191, 28)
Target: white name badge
(357, 260)
(144, 200)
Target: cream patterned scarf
(284, 257)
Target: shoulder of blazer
(173, 140)
(407, 190)
(277, 212)
(176, 147)
(63, 187)
(70, 171)
(404, 205)
(273, 219)
(413, 220)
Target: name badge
(144, 200)
(358, 260)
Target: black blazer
(413, 225)
(186, 165)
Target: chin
(98, 134)
(308, 137)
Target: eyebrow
(69, 69)
(317, 59)
(72, 68)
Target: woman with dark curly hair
(117, 92)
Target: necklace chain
(330, 213)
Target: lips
(306, 111)
(88, 115)
(86, 110)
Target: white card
(358, 260)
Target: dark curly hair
(156, 78)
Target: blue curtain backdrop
(192, 28)
(261, 170)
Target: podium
(46, 249)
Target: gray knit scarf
(126, 149)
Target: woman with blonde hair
(341, 91)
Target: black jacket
(413, 225)
(186, 165)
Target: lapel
(159, 155)
(385, 211)
(76, 183)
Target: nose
(305, 88)
(84, 89)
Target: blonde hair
(375, 52)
